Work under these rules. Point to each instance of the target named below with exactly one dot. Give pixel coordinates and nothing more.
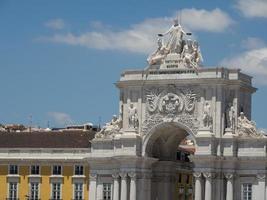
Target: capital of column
(115, 175)
(93, 176)
(123, 175)
(209, 175)
(229, 176)
(132, 175)
(197, 174)
(261, 177)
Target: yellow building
(44, 165)
(54, 165)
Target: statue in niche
(207, 118)
(230, 116)
(133, 117)
(246, 127)
(110, 129)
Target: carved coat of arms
(175, 105)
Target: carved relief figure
(246, 127)
(133, 117)
(207, 118)
(110, 129)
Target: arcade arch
(171, 178)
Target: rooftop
(53, 139)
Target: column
(123, 176)
(198, 189)
(208, 185)
(145, 186)
(261, 187)
(132, 175)
(92, 186)
(99, 191)
(229, 186)
(116, 186)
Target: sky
(59, 60)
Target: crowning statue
(176, 33)
(110, 129)
(246, 127)
(174, 51)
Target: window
(56, 191)
(13, 190)
(35, 170)
(180, 178)
(78, 170)
(57, 170)
(13, 169)
(107, 191)
(34, 191)
(247, 191)
(78, 191)
(187, 179)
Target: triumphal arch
(174, 98)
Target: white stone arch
(154, 133)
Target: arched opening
(172, 144)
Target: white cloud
(253, 62)
(253, 43)
(60, 118)
(252, 8)
(204, 20)
(55, 24)
(141, 37)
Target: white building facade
(174, 98)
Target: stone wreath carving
(164, 105)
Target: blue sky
(59, 59)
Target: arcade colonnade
(123, 188)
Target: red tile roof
(53, 139)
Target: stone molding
(146, 175)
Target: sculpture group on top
(241, 125)
(110, 129)
(246, 127)
(175, 50)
